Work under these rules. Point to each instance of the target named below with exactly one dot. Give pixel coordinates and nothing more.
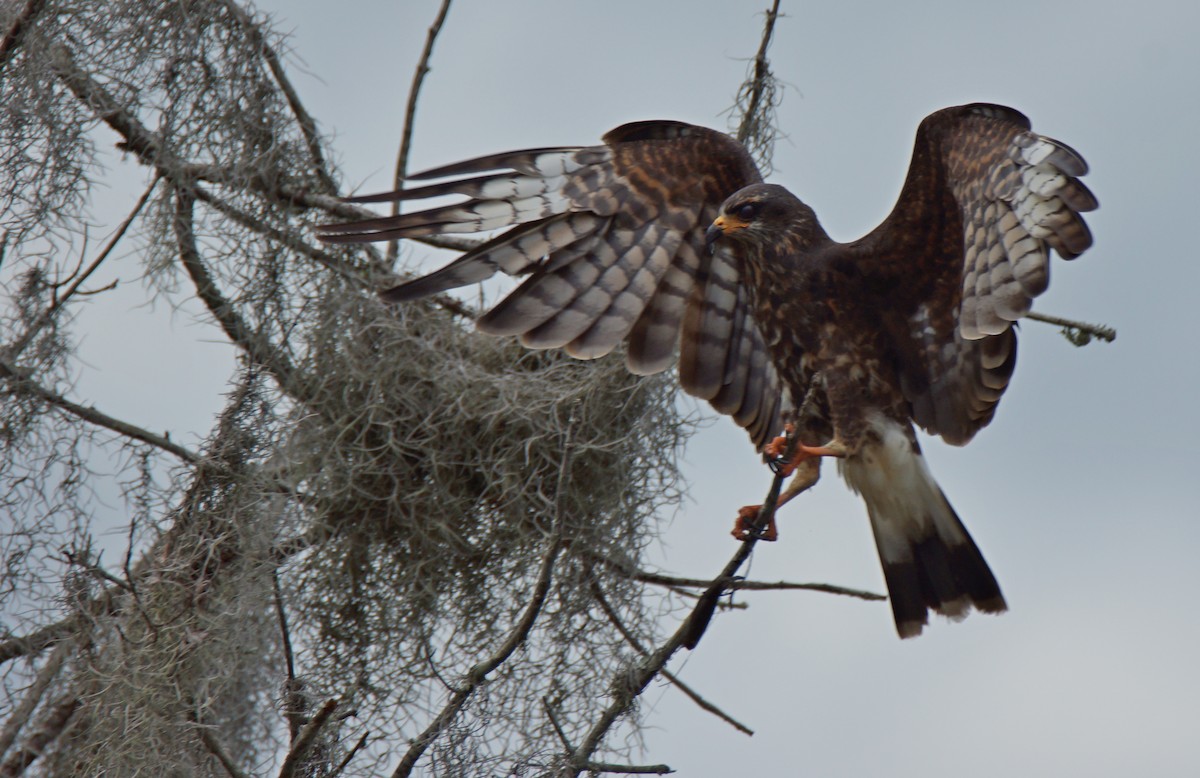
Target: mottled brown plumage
(911, 323)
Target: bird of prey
(664, 237)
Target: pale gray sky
(1083, 492)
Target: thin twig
(410, 114)
(762, 71)
(628, 769)
(293, 704)
(15, 349)
(288, 238)
(758, 586)
(140, 141)
(1078, 332)
(704, 704)
(362, 741)
(680, 584)
(562, 736)
(90, 414)
(308, 127)
(97, 571)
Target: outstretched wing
(610, 240)
(968, 243)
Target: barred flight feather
(912, 323)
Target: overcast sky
(1083, 492)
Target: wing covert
(609, 240)
(968, 243)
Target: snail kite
(665, 237)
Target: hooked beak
(722, 225)
(714, 231)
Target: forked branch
(410, 116)
(478, 674)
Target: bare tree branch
(1078, 332)
(293, 703)
(558, 730)
(217, 750)
(56, 721)
(627, 769)
(478, 674)
(13, 351)
(341, 766)
(97, 571)
(758, 83)
(305, 740)
(308, 127)
(24, 711)
(139, 140)
(17, 377)
(259, 348)
(410, 115)
(632, 640)
(12, 38)
(287, 238)
(756, 101)
(38, 640)
(142, 142)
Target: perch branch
(629, 685)
(632, 640)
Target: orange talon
(834, 449)
(775, 449)
(743, 527)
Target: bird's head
(763, 213)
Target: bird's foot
(785, 467)
(743, 527)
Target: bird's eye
(747, 211)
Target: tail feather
(929, 560)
